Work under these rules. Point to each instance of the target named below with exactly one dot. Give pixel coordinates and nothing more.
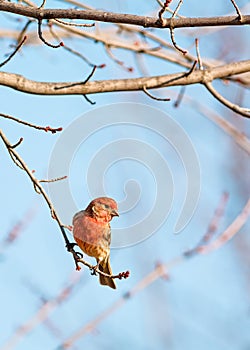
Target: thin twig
(212, 227)
(153, 97)
(17, 229)
(237, 9)
(164, 7)
(230, 232)
(88, 99)
(116, 60)
(54, 180)
(41, 315)
(14, 52)
(23, 31)
(167, 9)
(75, 24)
(17, 143)
(93, 268)
(74, 52)
(40, 34)
(42, 5)
(238, 137)
(85, 59)
(174, 42)
(198, 53)
(171, 28)
(44, 128)
(191, 69)
(237, 109)
(79, 83)
(177, 8)
(180, 97)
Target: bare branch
(116, 60)
(75, 24)
(164, 7)
(54, 180)
(153, 97)
(174, 42)
(41, 315)
(17, 229)
(74, 52)
(180, 97)
(89, 100)
(103, 16)
(198, 54)
(229, 233)
(162, 54)
(40, 34)
(14, 52)
(23, 31)
(172, 29)
(44, 128)
(239, 138)
(237, 9)
(212, 227)
(78, 83)
(237, 109)
(18, 143)
(23, 84)
(78, 257)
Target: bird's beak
(114, 212)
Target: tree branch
(20, 83)
(104, 16)
(204, 77)
(237, 109)
(44, 128)
(229, 233)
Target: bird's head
(103, 208)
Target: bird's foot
(70, 248)
(94, 269)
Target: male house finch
(92, 233)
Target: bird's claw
(79, 255)
(94, 268)
(70, 246)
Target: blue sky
(205, 304)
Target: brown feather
(106, 268)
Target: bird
(92, 233)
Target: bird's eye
(106, 206)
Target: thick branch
(104, 16)
(23, 84)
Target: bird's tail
(106, 268)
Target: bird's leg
(95, 268)
(70, 248)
